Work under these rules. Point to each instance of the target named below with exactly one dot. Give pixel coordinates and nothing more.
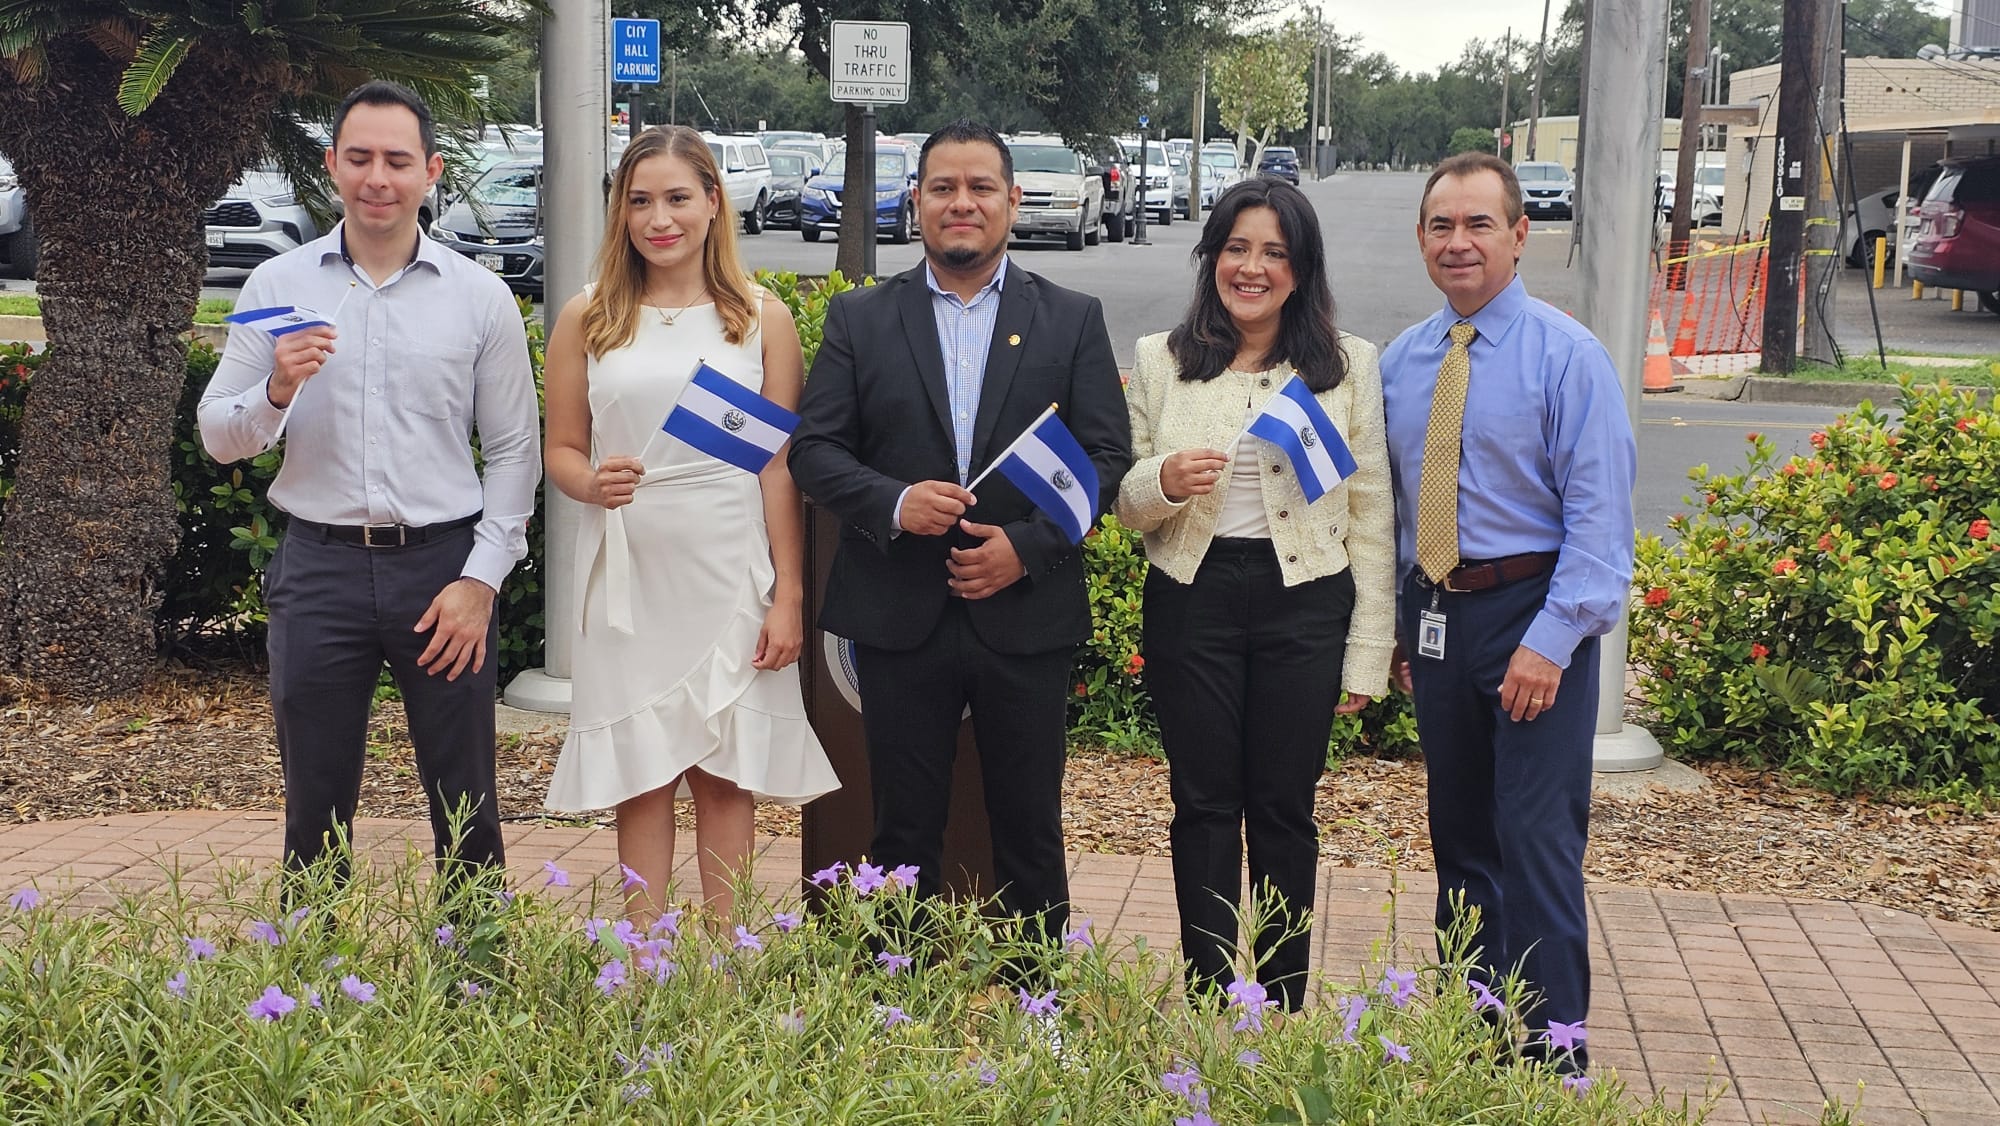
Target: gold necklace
(668, 320)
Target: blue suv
(895, 205)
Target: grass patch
(1965, 371)
(209, 311)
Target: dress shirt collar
(1494, 320)
(332, 246)
(993, 286)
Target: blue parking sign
(635, 51)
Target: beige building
(1555, 139)
(1940, 107)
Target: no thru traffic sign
(868, 62)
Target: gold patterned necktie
(1437, 489)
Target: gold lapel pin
(1014, 341)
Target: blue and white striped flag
(728, 421)
(1053, 472)
(279, 319)
(1293, 421)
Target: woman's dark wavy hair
(1205, 341)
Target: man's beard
(964, 258)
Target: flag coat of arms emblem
(728, 421)
(1294, 422)
(278, 320)
(1051, 469)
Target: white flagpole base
(1629, 748)
(536, 691)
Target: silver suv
(17, 231)
(1059, 195)
(746, 177)
(258, 218)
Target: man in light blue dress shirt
(1501, 640)
(396, 543)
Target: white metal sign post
(867, 64)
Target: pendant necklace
(669, 319)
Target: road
(1379, 285)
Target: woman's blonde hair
(611, 317)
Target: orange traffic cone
(1684, 336)
(1659, 370)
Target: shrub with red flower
(1980, 529)
(1656, 597)
(1784, 566)
(1759, 651)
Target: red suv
(1958, 241)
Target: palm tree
(124, 120)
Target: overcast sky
(1422, 35)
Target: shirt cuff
(1552, 639)
(488, 564)
(896, 513)
(266, 417)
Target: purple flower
(358, 991)
(787, 921)
(747, 941)
(331, 961)
(1484, 998)
(593, 929)
(631, 879)
(669, 924)
(1393, 1051)
(987, 1075)
(446, 935)
(557, 878)
(1079, 935)
(1253, 999)
(829, 875)
(1249, 1057)
(299, 916)
(635, 1091)
(265, 932)
(1399, 986)
(1352, 1010)
(905, 875)
(198, 948)
(794, 1021)
(178, 984)
(893, 1016)
(867, 878)
(471, 989)
(610, 977)
(894, 963)
(1183, 1082)
(1565, 1037)
(1043, 1006)
(1198, 1118)
(272, 1005)
(717, 960)
(505, 896)
(26, 899)
(312, 998)
(1577, 1084)
(625, 933)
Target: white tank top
(1243, 515)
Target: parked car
(1281, 161)
(1159, 173)
(1180, 146)
(1218, 171)
(1958, 243)
(746, 177)
(510, 243)
(1706, 209)
(1059, 196)
(790, 169)
(1183, 184)
(1120, 214)
(259, 218)
(895, 205)
(914, 140)
(1874, 216)
(1547, 192)
(18, 248)
(818, 154)
(772, 138)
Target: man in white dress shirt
(396, 547)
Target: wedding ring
(1535, 700)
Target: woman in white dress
(692, 570)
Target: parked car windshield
(507, 185)
(889, 163)
(1283, 151)
(1711, 176)
(1219, 159)
(1540, 172)
(1045, 158)
(1973, 183)
(787, 163)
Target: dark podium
(841, 825)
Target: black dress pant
(912, 702)
(1245, 674)
(338, 611)
(1509, 802)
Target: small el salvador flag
(1293, 421)
(278, 319)
(1054, 473)
(728, 421)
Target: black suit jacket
(875, 419)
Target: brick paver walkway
(1777, 1003)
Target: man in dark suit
(951, 599)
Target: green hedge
(1834, 613)
(229, 530)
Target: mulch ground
(203, 741)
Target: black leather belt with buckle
(1485, 574)
(381, 535)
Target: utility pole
(1797, 157)
(1626, 67)
(1823, 234)
(1684, 170)
(1194, 151)
(1535, 96)
(1314, 126)
(1506, 66)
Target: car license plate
(1541, 203)
(214, 240)
(492, 262)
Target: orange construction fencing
(1713, 297)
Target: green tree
(1466, 138)
(1259, 86)
(124, 120)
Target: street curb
(1768, 389)
(28, 330)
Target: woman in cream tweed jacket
(1264, 615)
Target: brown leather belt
(381, 535)
(1485, 574)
